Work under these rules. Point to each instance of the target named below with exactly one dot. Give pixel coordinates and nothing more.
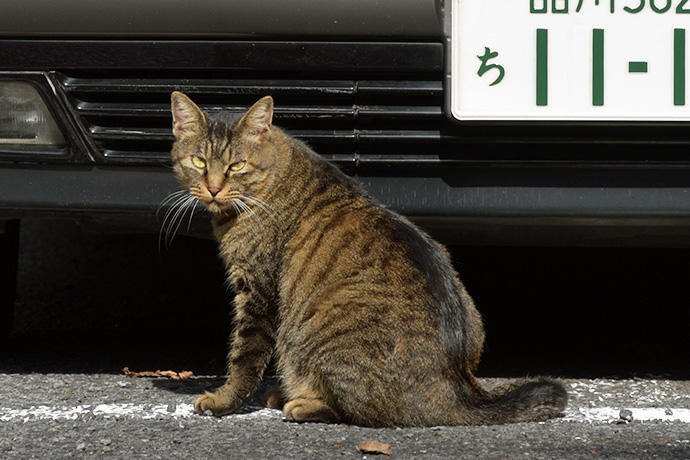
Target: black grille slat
(118, 134)
(211, 86)
(101, 133)
(115, 109)
(134, 155)
(163, 110)
(434, 88)
(393, 112)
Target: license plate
(570, 60)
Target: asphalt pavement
(612, 323)
(111, 416)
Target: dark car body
(364, 83)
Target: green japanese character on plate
(485, 67)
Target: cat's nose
(213, 190)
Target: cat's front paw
(218, 403)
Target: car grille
(127, 120)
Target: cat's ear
(257, 121)
(188, 118)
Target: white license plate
(570, 60)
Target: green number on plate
(555, 9)
(660, 10)
(635, 10)
(532, 8)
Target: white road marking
(611, 415)
(182, 411)
(130, 411)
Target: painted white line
(611, 415)
(130, 411)
(182, 411)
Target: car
(488, 122)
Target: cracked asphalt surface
(611, 322)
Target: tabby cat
(367, 319)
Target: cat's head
(223, 161)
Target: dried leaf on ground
(374, 447)
(171, 374)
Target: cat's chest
(244, 257)
(250, 261)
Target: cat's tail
(527, 401)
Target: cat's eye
(198, 161)
(237, 166)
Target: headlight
(25, 120)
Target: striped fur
(363, 311)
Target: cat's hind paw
(310, 410)
(274, 398)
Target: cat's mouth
(213, 206)
(216, 206)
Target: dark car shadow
(191, 386)
(97, 303)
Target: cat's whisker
(176, 199)
(180, 214)
(174, 208)
(244, 207)
(270, 212)
(249, 196)
(175, 216)
(191, 214)
(191, 206)
(173, 196)
(168, 222)
(172, 201)
(235, 207)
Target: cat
(364, 313)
